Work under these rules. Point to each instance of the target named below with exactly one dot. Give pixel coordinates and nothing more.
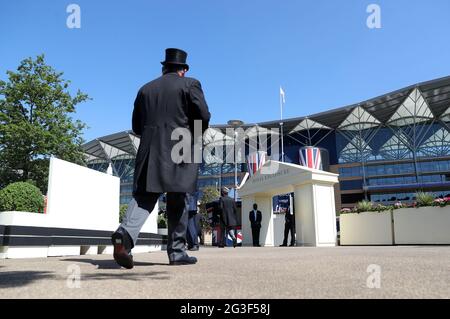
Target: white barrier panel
(82, 198)
(78, 198)
(151, 224)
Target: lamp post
(235, 124)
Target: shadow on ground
(11, 279)
(127, 275)
(15, 279)
(110, 264)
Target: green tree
(122, 212)
(35, 123)
(210, 194)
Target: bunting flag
(255, 161)
(310, 157)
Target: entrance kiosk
(315, 213)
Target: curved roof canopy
(420, 102)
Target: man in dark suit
(289, 226)
(170, 102)
(255, 217)
(192, 230)
(228, 218)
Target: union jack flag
(310, 157)
(255, 161)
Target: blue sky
(320, 51)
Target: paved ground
(291, 272)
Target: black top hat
(175, 56)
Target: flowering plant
(381, 208)
(442, 202)
(439, 202)
(346, 211)
(423, 200)
(399, 205)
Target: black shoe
(221, 246)
(283, 245)
(122, 249)
(234, 243)
(194, 248)
(291, 245)
(184, 261)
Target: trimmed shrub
(22, 197)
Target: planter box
(422, 226)
(367, 228)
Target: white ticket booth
(314, 204)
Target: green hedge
(23, 197)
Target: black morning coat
(255, 223)
(228, 211)
(162, 105)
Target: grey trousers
(192, 231)
(140, 208)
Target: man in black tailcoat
(168, 103)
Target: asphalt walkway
(243, 272)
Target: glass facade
(384, 149)
(392, 198)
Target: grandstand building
(384, 149)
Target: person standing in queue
(255, 217)
(228, 218)
(192, 230)
(289, 226)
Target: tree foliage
(35, 122)
(209, 194)
(122, 212)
